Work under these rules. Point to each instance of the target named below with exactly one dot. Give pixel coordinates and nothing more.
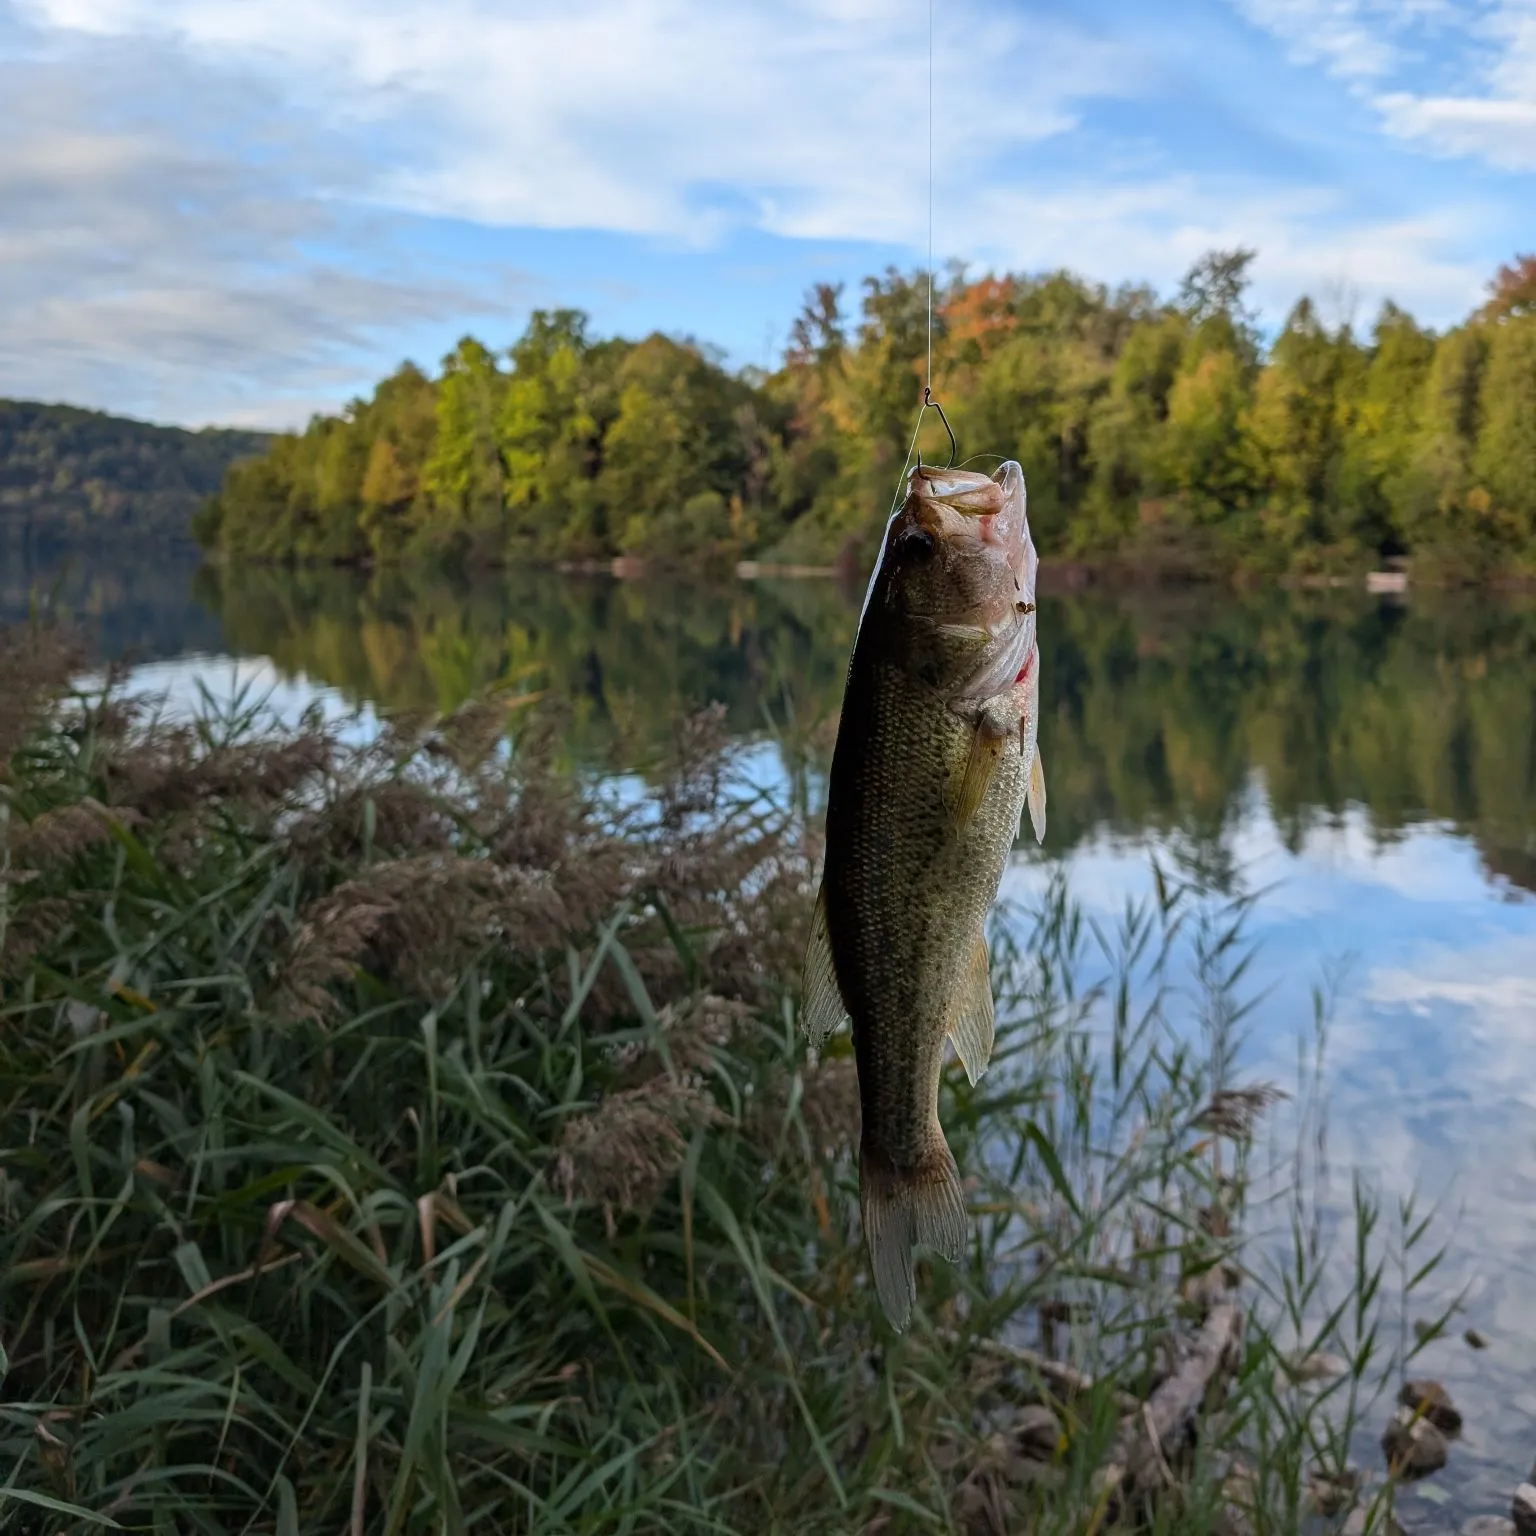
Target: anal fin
(821, 1002)
(974, 1026)
(1036, 797)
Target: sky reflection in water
(1429, 1072)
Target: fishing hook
(929, 403)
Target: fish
(936, 758)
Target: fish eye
(915, 544)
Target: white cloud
(1498, 124)
(1308, 240)
(636, 115)
(1511, 26)
(1364, 43)
(166, 248)
(1499, 130)
(1348, 37)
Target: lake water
(1370, 762)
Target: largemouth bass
(935, 760)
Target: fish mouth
(989, 509)
(961, 490)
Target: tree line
(1150, 429)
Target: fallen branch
(1140, 1455)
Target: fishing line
(928, 376)
(929, 403)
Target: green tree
(1125, 428)
(1379, 474)
(1213, 294)
(1200, 455)
(1153, 429)
(1449, 422)
(464, 474)
(1506, 450)
(549, 435)
(645, 466)
(1297, 425)
(401, 422)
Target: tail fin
(905, 1206)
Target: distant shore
(1116, 572)
(1061, 574)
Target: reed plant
(399, 1135)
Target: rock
(1239, 1498)
(1475, 1339)
(1488, 1525)
(1385, 1524)
(1523, 1509)
(1329, 1492)
(1433, 1402)
(1316, 1366)
(1414, 1447)
(1037, 1431)
(1233, 1520)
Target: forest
(1160, 432)
(68, 474)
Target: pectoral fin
(974, 1027)
(821, 1006)
(968, 786)
(1037, 797)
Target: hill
(67, 473)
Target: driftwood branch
(1140, 1455)
(1146, 1449)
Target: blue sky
(245, 210)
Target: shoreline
(1062, 574)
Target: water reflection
(624, 659)
(133, 607)
(1156, 709)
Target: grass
(403, 1138)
